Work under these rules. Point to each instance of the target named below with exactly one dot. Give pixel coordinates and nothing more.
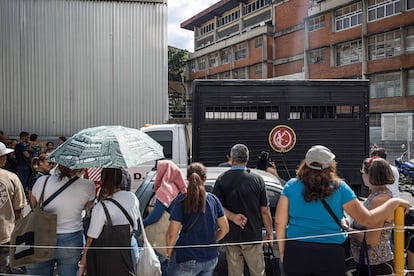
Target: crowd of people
(314, 211)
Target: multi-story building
(321, 39)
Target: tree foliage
(177, 59)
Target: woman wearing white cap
(309, 213)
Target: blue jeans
(66, 258)
(192, 267)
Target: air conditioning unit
(262, 23)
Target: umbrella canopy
(107, 147)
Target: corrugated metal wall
(69, 65)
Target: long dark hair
(111, 180)
(195, 199)
(318, 183)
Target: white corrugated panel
(69, 65)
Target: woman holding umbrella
(68, 206)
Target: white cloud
(178, 12)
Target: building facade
(320, 39)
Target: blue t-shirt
(311, 218)
(202, 232)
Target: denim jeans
(191, 268)
(65, 258)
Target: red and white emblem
(282, 138)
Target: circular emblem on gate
(282, 138)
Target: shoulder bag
(148, 261)
(34, 239)
(347, 242)
(116, 260)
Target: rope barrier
(210, 245)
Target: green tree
(177, 59)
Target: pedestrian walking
(309, 212)
(200, 217)
(245, 202)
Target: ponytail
(195, 199)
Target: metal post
(399, 241)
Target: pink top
(169, 182)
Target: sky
(178, 12)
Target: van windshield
(164, 138)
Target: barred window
(245, 113)
(255, 6)
(384, 45)
(228, 18)
(385, 85)
(324, 112)
(348, 17)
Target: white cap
(4, 150)
(319, 154)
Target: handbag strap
(123, 211)
(192, 224)
(363, 255)
(108, 217)
(328, 208)
(61, 189)
(41, 199)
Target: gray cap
(239, 153)
(319, 154)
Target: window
(240, 51)
(224, 75)
(410, 4)
(317, 55)
(246, 113)
(213, 60)
(255, 6)
(164, 138)
(385, 85)
(239, 73)
(384, 45)
(378, 9)
(324, 112)
(258, 69)
(192, 66)
(201, 63)
(348, 52)
(316, 23)
(410, 83)
(348, 17)
(409, 40)
(258, 42)
(207, 28)
(225, 56)
(228, 18)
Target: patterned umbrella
(107, 147)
